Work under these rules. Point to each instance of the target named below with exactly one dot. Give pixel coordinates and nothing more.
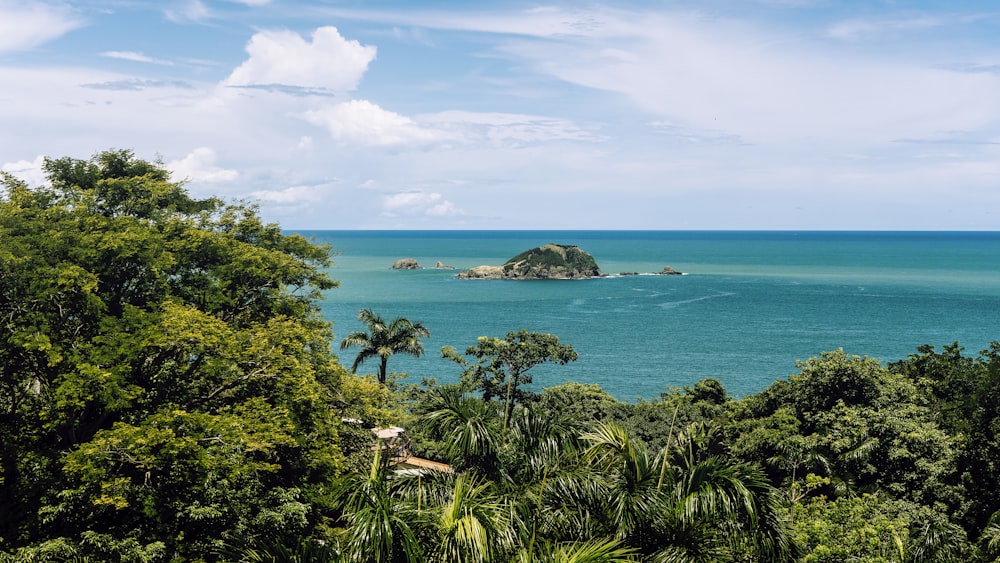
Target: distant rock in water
(442, 266)
(668, 271)
(406, 264)
(549, 262)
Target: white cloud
(419, 202)
(745, 81)
(134, 56)
(188, 11)
(543, 21)
(444, 209)
(293, 194)
(28, 171)
(409, 200)
(283, 58)
(199, 166)
(360, 121)
(863, 29)
(508, 128)
(25, 25)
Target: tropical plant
(165, 376)
(475, 524)
(685, 504)
(591, 551)
(383, 340)
(501, 365)
(469, 428)
(380, 528)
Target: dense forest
(170, 392)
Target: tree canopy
(502, 364)
(166, 380)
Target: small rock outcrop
(406, 264)
(552, 261)
(668, 271)
(442, 266)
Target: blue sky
(722, 114)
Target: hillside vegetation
(169, 393)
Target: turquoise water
(752, 304)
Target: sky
(632, 114)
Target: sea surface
(751, 305)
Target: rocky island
(407, 264)
(548, 262)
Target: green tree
(380, 527)
(474, 523)
(878, 529)
(469, 428)
(502, 365)
(592, 551)
(854, 421)
(965, 390)
(166, 380)
(684, 503)
(382, 340)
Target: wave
(673, 304)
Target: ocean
(751, 305)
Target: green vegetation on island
(551, 261)
(169, 393)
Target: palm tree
(401, 336)
(475, 524)
(630, 477)
(470, 427)
(687, 504)
(457, 517)
(379, 526)
(989, 540)
(593, 551)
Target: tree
(873, 527)
(380, 527)
(468, 428)
(401, 336)
(166, 380)
(684, 503)
(502, 365)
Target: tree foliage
(383, 340)
(165, 377)
(168, 393)
(502, 364)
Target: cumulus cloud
(409, 200)
(25, 25)
(292, 194)
(360, 121)
(199, 166)
(28, 171)
(283, 58)
(444, 209)
(417, 202)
